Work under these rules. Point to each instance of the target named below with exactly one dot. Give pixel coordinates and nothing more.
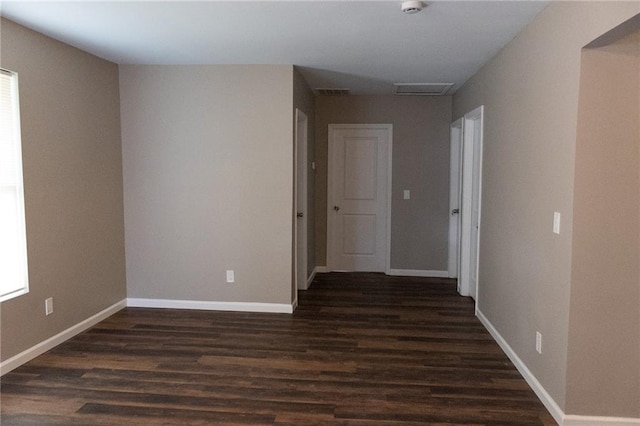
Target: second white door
(359, 189)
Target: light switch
(556, 222)
(407, 194)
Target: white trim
(455, 190)
(392, 272)
(282, 308)
(471, 121)
(555, 410)
(387, 267)
(42, 347)
(418, 273)
(573, 420)
(312, 276)
(20, 286)
(544, 396)
(300, 197)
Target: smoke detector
(410, 7)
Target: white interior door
(359, 197)
(301, 200)
(471, 202)
(454, 198)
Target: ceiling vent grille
(422, 89)
(331, 92)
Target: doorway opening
(300, 219)
(464, 250)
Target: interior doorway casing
(456, 136)
(300, 211)
(470, 214)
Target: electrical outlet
(538, 342)
(406, 194)
(48, 306)
(230, 276)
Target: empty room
(320, 213)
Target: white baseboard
(316, 270)
(311, 277)
(34, 351)
(557, 413)
(282, 308)
(309, 280)
(418, 273)
(573, 420)
(544, 396)
(555, 410)
(395, 272)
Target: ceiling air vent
(331, 92)
(422, 89)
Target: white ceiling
(365, 46)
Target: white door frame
(470, 163)
(331, 183)
(456, 135)
(300, 202)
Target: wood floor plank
(361, 349)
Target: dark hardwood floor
(361, 349)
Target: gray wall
(605, 282)
(208, 174)
(530, 92)
(72, 183)
(419, 226)
(304, 100)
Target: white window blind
(13, 244)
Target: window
(13, 242)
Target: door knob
(336, 208)
(455, 211)
(299, 214)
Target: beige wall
(419, 226)
(530, 93)
(208, 174)
(603, 375)
(72, 183)
(304, 99)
